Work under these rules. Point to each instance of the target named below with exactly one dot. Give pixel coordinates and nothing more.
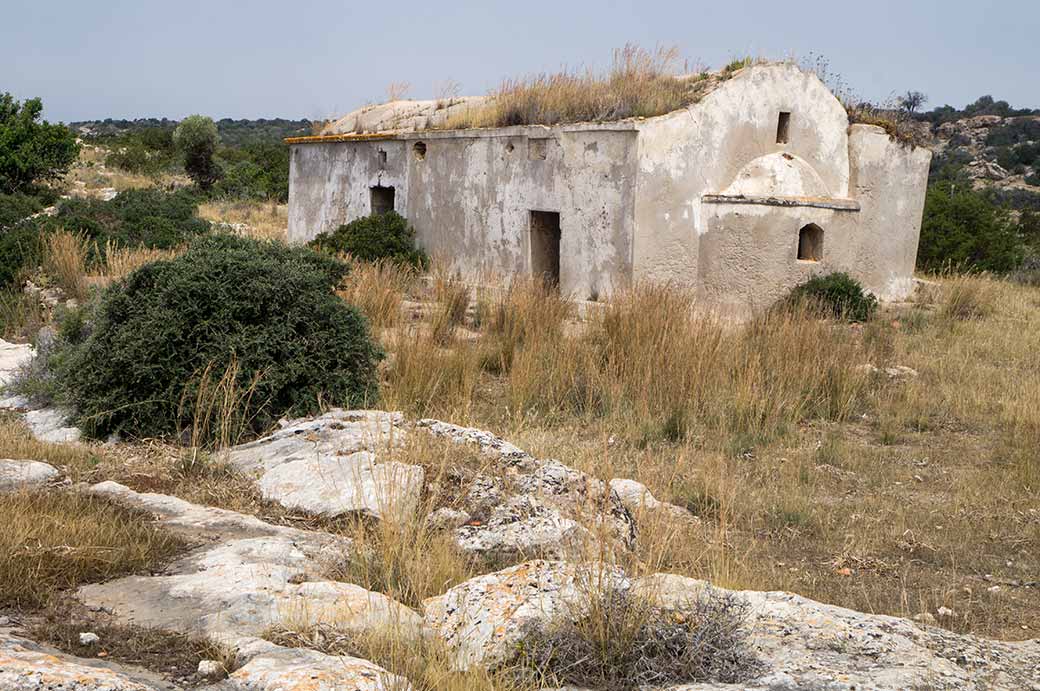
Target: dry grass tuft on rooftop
(639, 83)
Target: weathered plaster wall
(702, 150)
(470, 196)
(889, 180)
(329, 183)
(470, 200)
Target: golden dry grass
(65, 261)
(264, 220)
(889, 495)
(120, 261)
(639, 83)
(53, 541)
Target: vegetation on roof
(639, 83)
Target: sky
(319, 58)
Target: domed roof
(777, 175)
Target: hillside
(995, 146)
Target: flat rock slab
(288, 669)
(46, 424)
(329, 465)
(254, 577)
(27, 666)
(810, 645)
(335, 485)
(18, 474)
(483, 619)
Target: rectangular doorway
(382, 200)
(545, 246)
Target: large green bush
(962, 230)
(31, 150)
(837, 294)
(371, 238)
(135, 218)
(136, 364)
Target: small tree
(911, 101)
(196, 137)
(963, 230)
(31, 150)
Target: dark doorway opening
(545, 246)
(382, 200)
(810, 243)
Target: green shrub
(135, 218)
(836, 294)
(20, 251)
(962, 230)
(371, 238)
(261, 314)
(256, 171)
(31, 150)
(16, 207)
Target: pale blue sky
(315, 58)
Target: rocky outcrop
(521, 507)
(483, 619)
(638, 499)
(403, 115)
(19, 474)
(254, 577)
(27, 666)
(329, 465)
(299, 669)
(810, 645)
(46, 424)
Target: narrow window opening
(382, 200)
(536, 149)
(783, 126)
(382, 157)
(810, 243)
(545, 247)
(420, 150)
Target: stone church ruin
(749, 191)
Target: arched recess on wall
(810, 243)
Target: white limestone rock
(483, 619)
(25, 666)
(809, 645)
(254, 577)
(50, 425)
(18, 474)
(638, 499)
(13, 356)
(329, 465)
(336, 433)
(335, 485)
(299, 669)
(533, 507)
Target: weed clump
(626, 642)
(837, 294)
(54, 541)
(373, 238)
(219, 342)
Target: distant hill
(233, 133)
(993, 145)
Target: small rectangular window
(783, 125)
(536, 149)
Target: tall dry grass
(53, 541)
(65, 261)
(639, 83)
(215, 403)
(263, 220)
(121, 261)
(378, 290)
